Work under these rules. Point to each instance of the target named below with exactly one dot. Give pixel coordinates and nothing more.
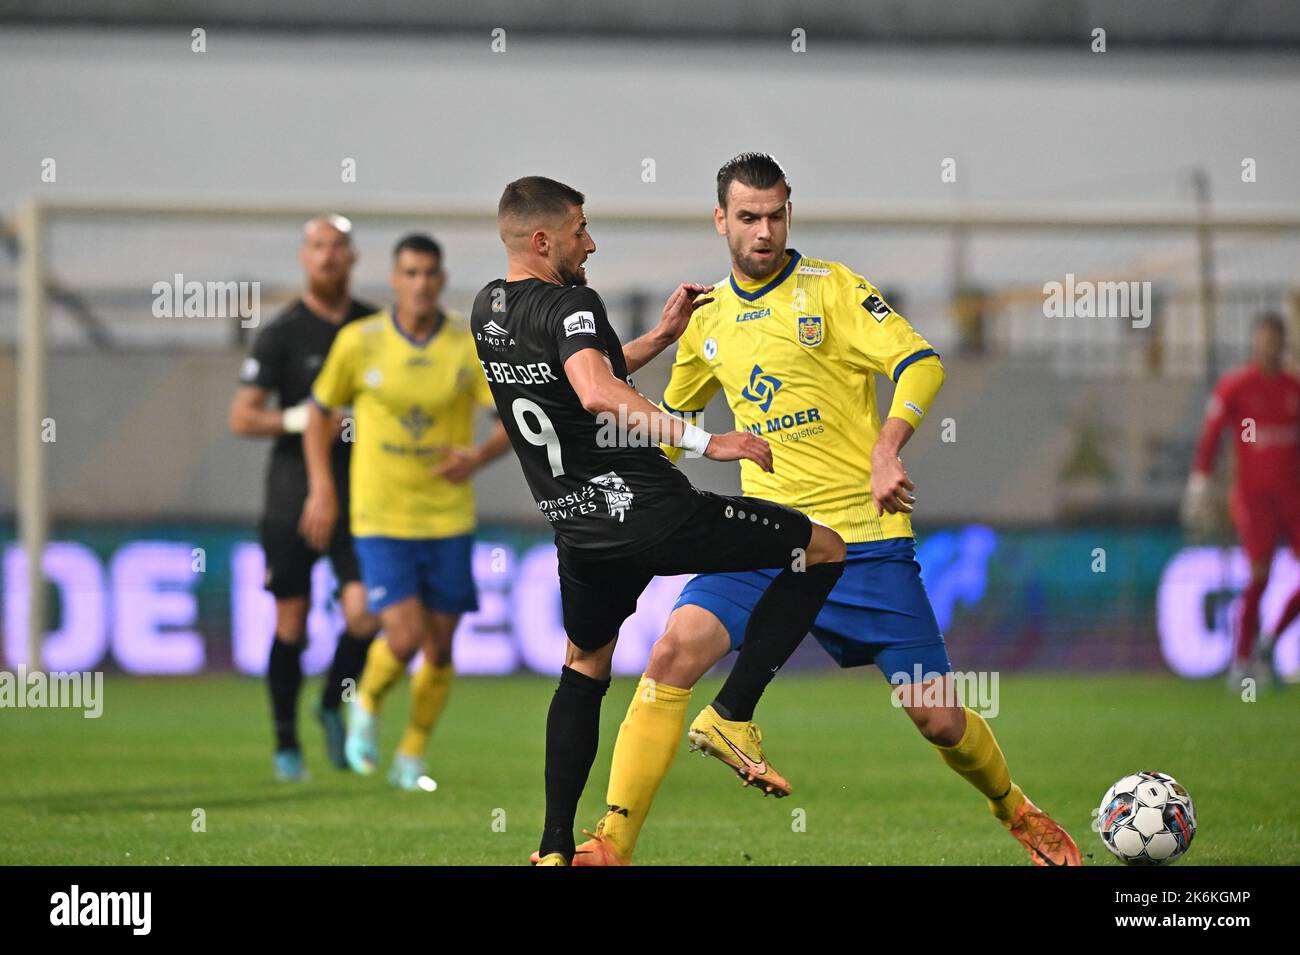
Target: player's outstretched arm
(676, 315)
(321, 510)
(604, 394)
(738, 446)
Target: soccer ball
(1147, 819)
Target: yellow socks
(977, 759)
(647, 742)
(382, 670)
(429, 691)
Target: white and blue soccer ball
(1147, 819)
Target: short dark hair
(420, 242)
(756, 170)
(535, 198)
(1271, 320)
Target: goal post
(33, 511)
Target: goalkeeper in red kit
(1259, 404)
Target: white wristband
(294, 420)
(693, 439)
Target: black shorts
(723, 534)
(289, 559)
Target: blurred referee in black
(284, 362)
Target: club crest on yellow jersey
(416, 421)
(810, 330)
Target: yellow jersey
(795, 356)
(409, 401)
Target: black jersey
(598, 494)
(286, 358)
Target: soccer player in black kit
(621, 511)
(284, 362)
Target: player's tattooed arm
(676, 315)
(320, 512)
(604, 394)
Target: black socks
(349, 659)
(781, 619)
(572, 734)
(284, 675)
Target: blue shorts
(439, 570)
(878, 612)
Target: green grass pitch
(123, 789)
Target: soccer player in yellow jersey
(412, 377)
(795, 344)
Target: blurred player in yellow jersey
(412, 377)
(795, 344)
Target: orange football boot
(595, 851)
(598, 851)
(1043, 838)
